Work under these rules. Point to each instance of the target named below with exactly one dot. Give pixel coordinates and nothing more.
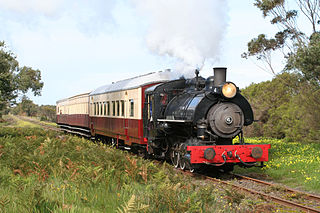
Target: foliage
(42, 171)
(27, 108)
(15, 79)
(306, 59)
(262, 47)
(287, 106)
(47, 113)
(289, 40)
(294, 163)
(131, 206)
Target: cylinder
(220, 76)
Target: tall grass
(42, 171)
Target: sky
(81, 45)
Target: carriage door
(125, 121)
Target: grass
(295, 164)
(44, 122)
(42, 171)
(14, 121)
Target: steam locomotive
(191, 122)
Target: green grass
(42, 171)
(49, 123)
(291, 163)
(44, 122)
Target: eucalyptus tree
(15, 80)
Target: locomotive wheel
(175, 158)
(192, 169)
(113, 142)
(182, 164)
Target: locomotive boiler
(193, 122)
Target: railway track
(316, 198)
(279, 194)
(291, 198)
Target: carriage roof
(136, 82)
(73, 97)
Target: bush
(286, 107)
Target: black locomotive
(197, 112)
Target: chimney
(220, 75)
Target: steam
(188, 30)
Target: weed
(131, 206)
(295, 164)
(42, 171)
(233, 196)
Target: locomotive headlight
(229, 90)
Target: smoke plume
(188, 30)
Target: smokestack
(220, 76)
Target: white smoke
(189, 30)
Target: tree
(28, 107)
(286, 107)
(48, 113)
(290, 38)
(262, 48)
(306, 59)
(269, 101)
(15, 80)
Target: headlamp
(229, 90)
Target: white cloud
(47, 7)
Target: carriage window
(122, 108)
(150, 102)
(131, 107)
(150, 105)
(104, 108)
(164, 99)
(97, 108)
(101, 110)
(108, 105)
(113, 108)
(94, 109)
(118, 108)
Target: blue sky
(81, 45)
